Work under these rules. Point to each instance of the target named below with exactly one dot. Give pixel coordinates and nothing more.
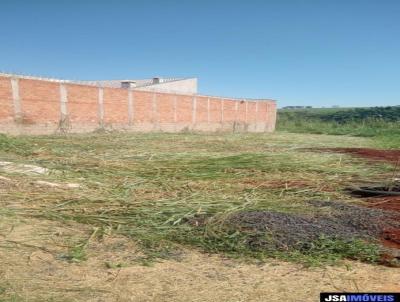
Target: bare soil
(390, 203)
(391, 156)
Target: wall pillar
(154, 116)
(256, 112)
(236, 112)
(130, 107)
(266, 118)
(208, 111)
(194, 111)
(16, 99)
(101, 107)
(246, 110)
(222, 111)
(175, 105)
(64, 121)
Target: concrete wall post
(16, 99)
(208, 111)
(236, 110)
(194, 110)
(130, 107)
(175, 109)
(222, 111)
(154, 116)
(63, 101)
(246, 110)
(64, 120)
(256, 112)
(101, 106)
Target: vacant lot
(190, 217)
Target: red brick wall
(201, 110)
(251, 112)
(143, 107)
(39, 101)
(115, 106)
(41, 109)
(82, 104)
(229, 111)
(6, 103)
(165, 108)
(184, 109)
(215, 110)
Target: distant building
(166, 85)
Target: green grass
(381, 123)
(148, 186)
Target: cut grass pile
(151, 187)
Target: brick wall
(34, 106)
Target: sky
(299, 52)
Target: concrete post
(256, 112)
(235, 120)
(246, 111)
(64, 122)
(130, 107)
(236, 111)
(256, 118)
(175, 109)
(101, 106)
(63, 101)
(154, 116)
(208, 111)
(194, 110)
(16, 99)
(222, 111)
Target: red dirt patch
(389, 203)
(392, 156)
(391, 238)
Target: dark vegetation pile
(346, 228)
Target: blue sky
(319, 53)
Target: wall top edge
(84, 83)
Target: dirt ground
(390, 203)
(391, 156)
(33, 269)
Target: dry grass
(29, 273)
(137, 191)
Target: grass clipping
(155, 190)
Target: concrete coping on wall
(85, 83)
